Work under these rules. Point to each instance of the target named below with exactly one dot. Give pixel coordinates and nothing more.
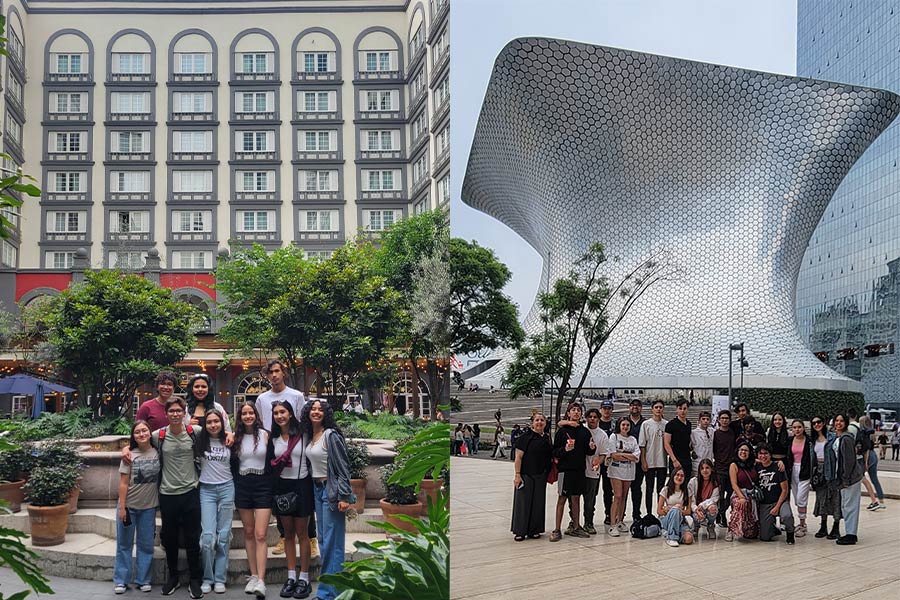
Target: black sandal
(519, 538)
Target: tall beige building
(162, 131)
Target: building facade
(848, 291)
(721, 172)
(163, 132)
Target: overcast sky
(754, 34)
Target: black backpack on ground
(646, 527)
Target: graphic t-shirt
(144, 473)
(265, 401)
(770, 479)
(215, 463)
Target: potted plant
(13, 466)
(398, 499)
(59, 452)
(49, 489)
(358, 455)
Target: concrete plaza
(487, 564)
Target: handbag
(553, 475)
(286, 504)
(818, 478)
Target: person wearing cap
(606, 424)
(635, 407)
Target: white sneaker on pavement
(672, 543)
(219, 588)
(260, 589)
(251, 584)
(614, 532)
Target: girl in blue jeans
(674, 510)
(327, 455)
(216, 502)
(136, 511)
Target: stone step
(92, 556)
(102, 521)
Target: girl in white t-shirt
(216, 501)
(622, 453)
(674, 509)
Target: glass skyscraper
(848, 292)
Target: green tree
(580, 313)
(480, 315)
(114, 331)
(340, 312)
(250, 281)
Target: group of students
(285, 456)
(693, 476)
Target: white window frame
(320, 217)
(126, 103)
(260, 181)
(206, 67)
(187, 102)
(130, 147)
(131, 63)
(319, 180)
(380, 179)
(67, 178)
(10, 255)
(260, 221)
(317, 135)
(129, 221)
(62, 62)
(132, 260)
(317, 105)
(377, 219)
(123, 181)
(191, 221)
(59, 259)
(179, 136)
(66, 221)
(268, 61)
(194, 179)
(68, 142)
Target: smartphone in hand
(127, 521)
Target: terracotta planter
(73, 497)
(429, 489)
(12, 493)
(390, 510)
(359, 488)
(48, 524)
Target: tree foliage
(114, 331)
(580, 313)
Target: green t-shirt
(179, 475)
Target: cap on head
(606, 404)
(635, 402)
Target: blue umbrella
(25, 385)
(39, 404)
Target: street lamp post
(739, 347)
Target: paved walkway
(82, 589)
(486, 564)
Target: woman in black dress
(533, 451)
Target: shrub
(358, 455)
(801, 404)
(394, 493)
(14, 462)
(58, 452)
(50, 486)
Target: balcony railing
(421, 183)
(257, 236)
(325, 115)
(129, 197)
(130, 117)
(305, 196)
(439, 62)
(68, 156)
(442, 109)
(69, 78)
(192, 236)
(416, 51)
(16, 104)
(379, 75)
(255, 76)
(255, 196)
(318, 155)
(417, 98)
(58, 236)
(382, 194)
(325, 236)
(191, 156)
(130, 78)
(64, 197)
(255, 116)
(189, 77)
(68, 117)
(418, 140)
(136, 236)
(441, 159)
(129, 156)
(192, 197)
(381, 154)
(267, 155)
(192, 116)
(13, 145)
(381, 115)
(315, 76)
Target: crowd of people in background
(727, 472)
(286, 456)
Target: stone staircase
(90, 546)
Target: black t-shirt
(770, 479)
(572, 460)
(681, 440)
(635, 430)
(537, 451)
(606, 426)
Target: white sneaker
(120, 589)
(251, 584)
(219, 588)
(614, 532)
(800, 531)
(146, 587)
(729, 537)
(206, 588)
(673, 543)
(621, 526)
(260, 589)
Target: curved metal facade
(727, 170)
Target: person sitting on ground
(744, 521)
(774, 502)
(703, 490)
(674, 509)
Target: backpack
(162, 438)
(862, 440)
(646, 527)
